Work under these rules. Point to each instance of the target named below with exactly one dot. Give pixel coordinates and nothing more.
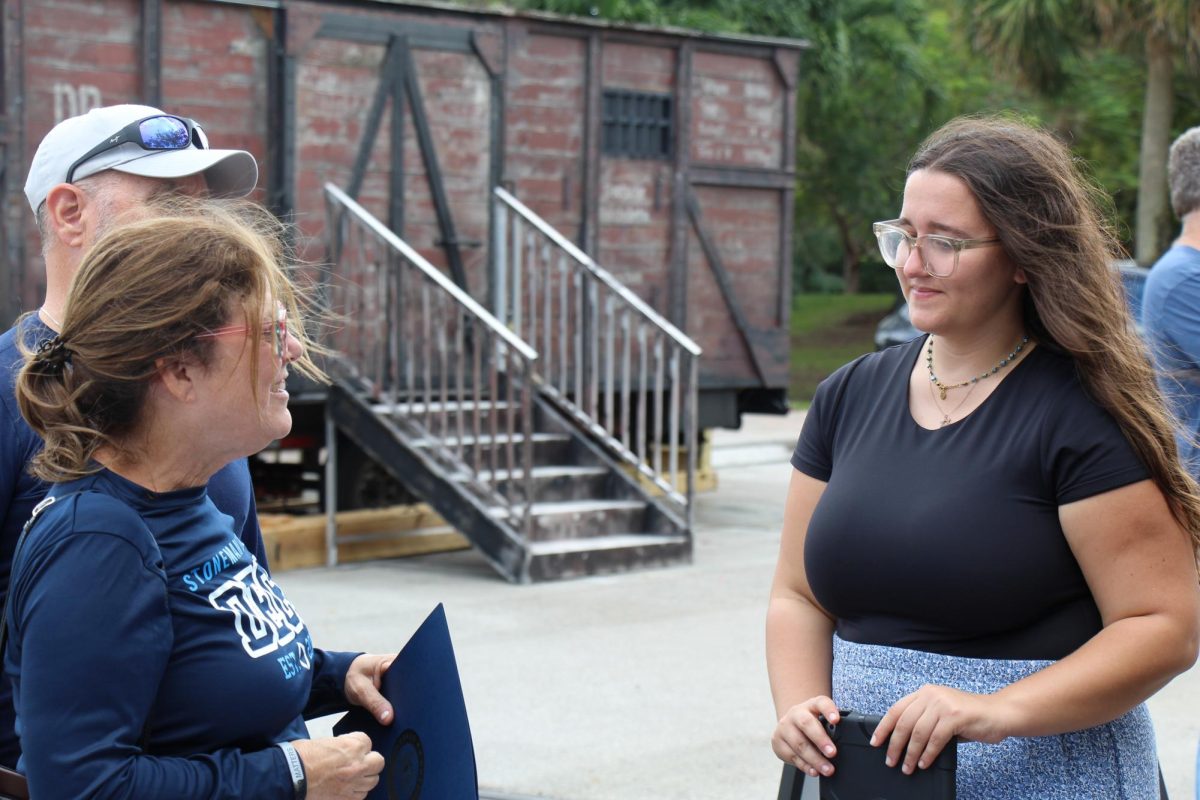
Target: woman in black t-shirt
(988, 533)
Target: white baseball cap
(229, 173)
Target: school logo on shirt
(266, 622)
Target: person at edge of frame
(1171, 309)
(150, 654)
(988, 533)
(81, 183)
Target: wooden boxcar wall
(210, 61)
(702, 232)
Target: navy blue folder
(427, 748)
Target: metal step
(601, 555)
(552, 482)
(612, 541)
(573, 507)
(470, 440)
(545, 471)
(588, 517)
(405, 409)
(579, 519)
(489, 451)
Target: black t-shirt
(948, 540)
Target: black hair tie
(52, 356)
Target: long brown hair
(1050, 220)
(143, 293)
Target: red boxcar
(664, 154)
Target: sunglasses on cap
(159, 132)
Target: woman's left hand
(363, 680)
(922, 723)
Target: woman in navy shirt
(988, 533)
(151, 654)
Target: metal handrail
(448, 373)
(606, 358)
(585, 261)
(430, 271)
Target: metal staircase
(574, 459)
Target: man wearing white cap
(88, 172)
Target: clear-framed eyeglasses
(276, 331)
(939, 254)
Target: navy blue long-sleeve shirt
(230, 490)
(151, 655)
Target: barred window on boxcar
(637, 124)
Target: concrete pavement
(646, 686)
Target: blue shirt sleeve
(86, 681)
(1180, 319)
(328, 695)
(11, 461)
(19, 493)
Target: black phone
(860, 774)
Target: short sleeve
(814, 451)
(1086, 453)
(1178, 325)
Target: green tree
(864, 101)
(1042, 37)
(881, 74)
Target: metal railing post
(385, 284)
(585, 386)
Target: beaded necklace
(943, 388)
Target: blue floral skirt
(1114, 761)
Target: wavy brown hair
(142, 294)
(1050, 219)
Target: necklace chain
(947, 416)
(51, 316)
(943, 388)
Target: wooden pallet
(706, 475)
(294, 542)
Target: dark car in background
(897, 327)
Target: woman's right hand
(800, 737)
(340, 767)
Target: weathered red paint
(216, 66)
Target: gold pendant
(942, 389)
(945, 420)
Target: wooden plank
(787, 63)
(374, 117)
(589, 224)
(433, 169)
(678, 266)
(741, 177)
(379, 29)
(706, 475)
(396, 147)
(295, 542)
(151, 66)
(717, 267)
(17, 281)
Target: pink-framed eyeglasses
(278, 329)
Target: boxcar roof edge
(566, 19)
